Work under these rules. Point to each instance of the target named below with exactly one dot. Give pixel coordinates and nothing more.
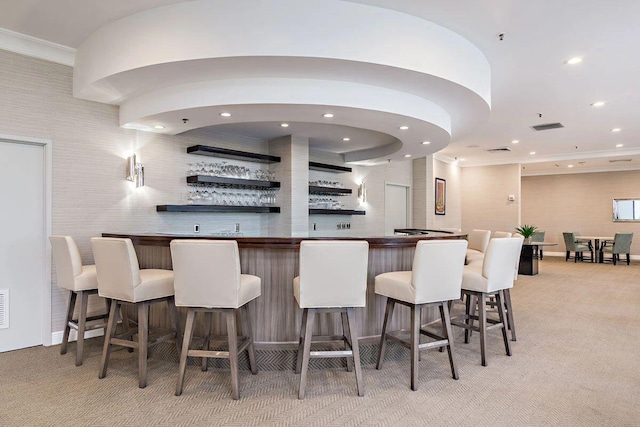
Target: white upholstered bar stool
(333, 278)
(501, 234)
(511, 325)
(435, 279)
(207, 279)
(81, 281)
(121, 279)
(489, 279)
(478, 242)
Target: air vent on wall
(499, 149)
(547, 126)
(4, 308)
(619, 160)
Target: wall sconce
(135, 171)
(362, 193)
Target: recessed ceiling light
(462, 159)
(569, 166)
(616, 130)
(426, 142)
(532, 152)
(574, 61)
(515, 141)
(225, 114)
(327, 115)
(346, 139)
(158, 127)
(407, 155)
(284, 125)
(403, 127)
(598, 104)
(619, 145)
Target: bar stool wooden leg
(415, 343)
(82, 325)
(67, 327)
(208, 320)
(307, 325)
(467, 319)
(347, 339)
(175, 320)
(143, 339)
(353, 337)
(446, 326)
(305, 315)
(388, 314)
(232, 333)
(510, 317)
(188, 335)
(109, 333)
(248, 332)
(503, 317)
(482, 315)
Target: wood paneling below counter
(275, 314)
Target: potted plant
(526, 231)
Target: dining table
(528, 264)
(595, 240)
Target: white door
(396, 208)
(22, 243)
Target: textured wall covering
(579, 202)
(91, 196)
(425, 171)
(484, 195)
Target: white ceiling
(529, 76)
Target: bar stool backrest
(499, 260)
(206, 273)
(67, 260)
(479, 240)
(501, 234)
(333, 273)
(437, 269)
(117, 267)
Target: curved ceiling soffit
(383, 43)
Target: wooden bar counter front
(275, 315)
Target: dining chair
(538, 236)
(478, 242)
(621, 244)
(573, 244)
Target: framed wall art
(441, 196)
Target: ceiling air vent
(499, 150)
(619, 160)
(547, 126)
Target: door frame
(45, 293)
(407, 188)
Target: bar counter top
(396, 241)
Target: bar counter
(275, 314)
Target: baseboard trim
(563, 254)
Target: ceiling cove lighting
(597, 104)
(225, 114)
(284, 125)
(574, 61)
(403, 127)
(327, 115)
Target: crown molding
(36, 48)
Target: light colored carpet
(576, 363)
